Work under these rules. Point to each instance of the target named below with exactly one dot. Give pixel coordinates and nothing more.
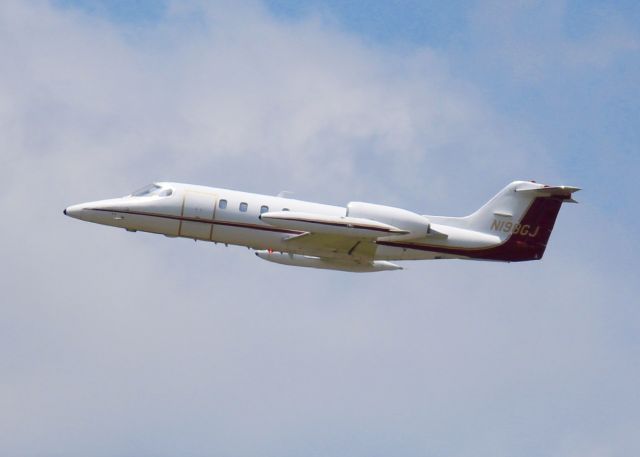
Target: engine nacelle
(415, 224)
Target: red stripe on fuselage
(203, 221)
(542, 212)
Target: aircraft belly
(398, 253)
(196, 230)
(150, 224)
(247, 237)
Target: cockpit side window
(146, 190)
(152, 190)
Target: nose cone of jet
(74, 211)
(100, 212)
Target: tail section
(506, 206)
(519, 220)
(522, 215)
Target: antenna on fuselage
(284, 193)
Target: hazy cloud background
(114, 343)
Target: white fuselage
(513, 226)
(218, 215)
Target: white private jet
(513, 226)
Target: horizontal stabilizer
(563, 192)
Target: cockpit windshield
(152, 190)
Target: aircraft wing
(331, 236)
(331, 225)
(332, 246)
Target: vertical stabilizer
(522, 215)
(507, 208)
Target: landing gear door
(198, 211)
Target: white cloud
(537, 40)
(279, 100)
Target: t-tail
(522, 216)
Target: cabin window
(264, 209)
(222, 204)
(285, 209)
(243, 207)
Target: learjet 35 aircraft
(513, 226)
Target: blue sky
(589, 111)
(131, 344)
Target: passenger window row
(244, 206)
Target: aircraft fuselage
(350, 238)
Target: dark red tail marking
(542, 214)
(518, 247)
